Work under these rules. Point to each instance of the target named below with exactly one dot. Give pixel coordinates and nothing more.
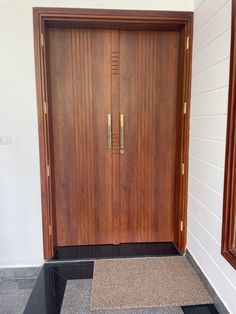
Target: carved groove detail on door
(115, 100)
(115, 143)
(115, 62)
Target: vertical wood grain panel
(61, 107)
(82, 162)
(148, 93)
(102, 156)
(168, 110)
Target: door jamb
(111, 19)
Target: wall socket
(6, 139)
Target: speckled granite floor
(77, 301)
(15, 288)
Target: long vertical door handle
(122, 134)
(109, 131)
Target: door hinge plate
(42, 39)
(45, 107)
(182, 168)
(48, 170)
(187, 43)
(185, 107)
(181, 225)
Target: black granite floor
(115, 251)
(48, 290)
(48, 293)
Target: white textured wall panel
(208, 150)
(214, 77)
(213, 27)
(209, 127)
(211, 103)
(211, 56)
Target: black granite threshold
(126, 250)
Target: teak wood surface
(149, 64)
(79, 77)
(144, 177)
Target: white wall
(207, 144)
(20, 206)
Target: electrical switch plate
(6, 139)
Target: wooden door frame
(112, 19)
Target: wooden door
(79, 71)
(99, 194)
(149, 102)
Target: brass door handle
(109, 131)
(122, 133)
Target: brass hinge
(185, 107)
(182, 168)
(42, 39)
(50, 230)
(45, 107)
(48, 170)
(181, 225)
(187, 43)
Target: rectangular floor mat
(77, 301)
(146, 283)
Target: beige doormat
(146, 283)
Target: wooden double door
(113, 125)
